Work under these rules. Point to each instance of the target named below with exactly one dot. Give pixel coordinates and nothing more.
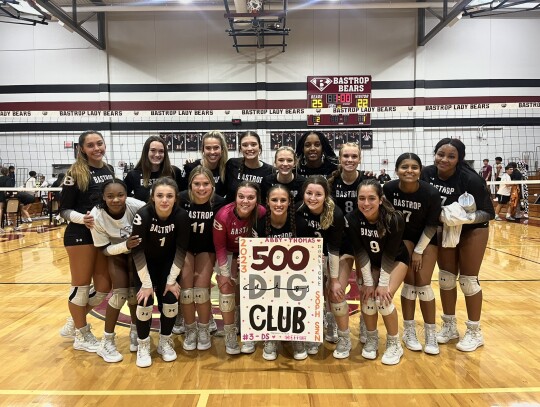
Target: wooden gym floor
(41, 368)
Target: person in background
(383, 177)
(498, 168)
(503, 194)
(487, 170)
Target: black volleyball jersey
(161, 240)
(73, 198)
(325, 169)
(346, 195)
(201, 221)
(295, 186)
(233, 176)
(188, 167)
(135, 182)
(260, 231)
(309, 225)
(420, 209)
(366, 242)
(460, 182)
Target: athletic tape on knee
(132, 296)
(409, 292)
(78, 295)
(447, 280)
(226, 302)
(144, 313)
(200, 295)
(340, 309)
(425, 293)
(95, 297)
(170, 310)
(118, 298)
(369, 307)
(469, 285)
(186, 296)
(385, 310)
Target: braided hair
(327, 150)
(291, 218)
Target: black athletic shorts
(77, 235)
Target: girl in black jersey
(420, 204)
(201, 204)
(113, 217)
(375, 231)
(279, 221)
(452, 176)
(163, 229)
(80, 192)
(344, 183)
(318, 216)
(316, 155)
(285, 162)
(214, 157)
(249, 167)
(153, 164)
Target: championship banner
(281, 289)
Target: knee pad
(385, 310)
(201, 295)
(78, 295)
(409, 292)
(118, 298)
(340, 309)
(186, 296)
(447, 280)
(96, 297)
(132, 296)
(170, 310)
(227, 302)
(469, 285)
(144, 313)
(369, 307)
(425, 293)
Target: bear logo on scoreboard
(321, 83)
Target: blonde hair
(327, 215)
(224, 152)
(200, 170)
(337, 172)
(80, 169)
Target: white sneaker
(68, 330)
(448, 329)
(343, 348)
(133, 343)
(312, 348)
(107, 349)
(248, 347)
(300, 352)
(204, 339)
(85, 339)
(371, 346)
(472, 339)
(143, 353)
(394, 351)
(190, 339)
(510, 218)
(331, 334)
(497, 217)
(166, 348)
(363, 330)
(212, 326)
(231, 344)
(431, 347)
(409, 336)
(270, 350)
(179, 328)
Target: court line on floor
(213, 392)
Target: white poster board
(281, 289)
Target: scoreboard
(347, 95)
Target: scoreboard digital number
(350, 93)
